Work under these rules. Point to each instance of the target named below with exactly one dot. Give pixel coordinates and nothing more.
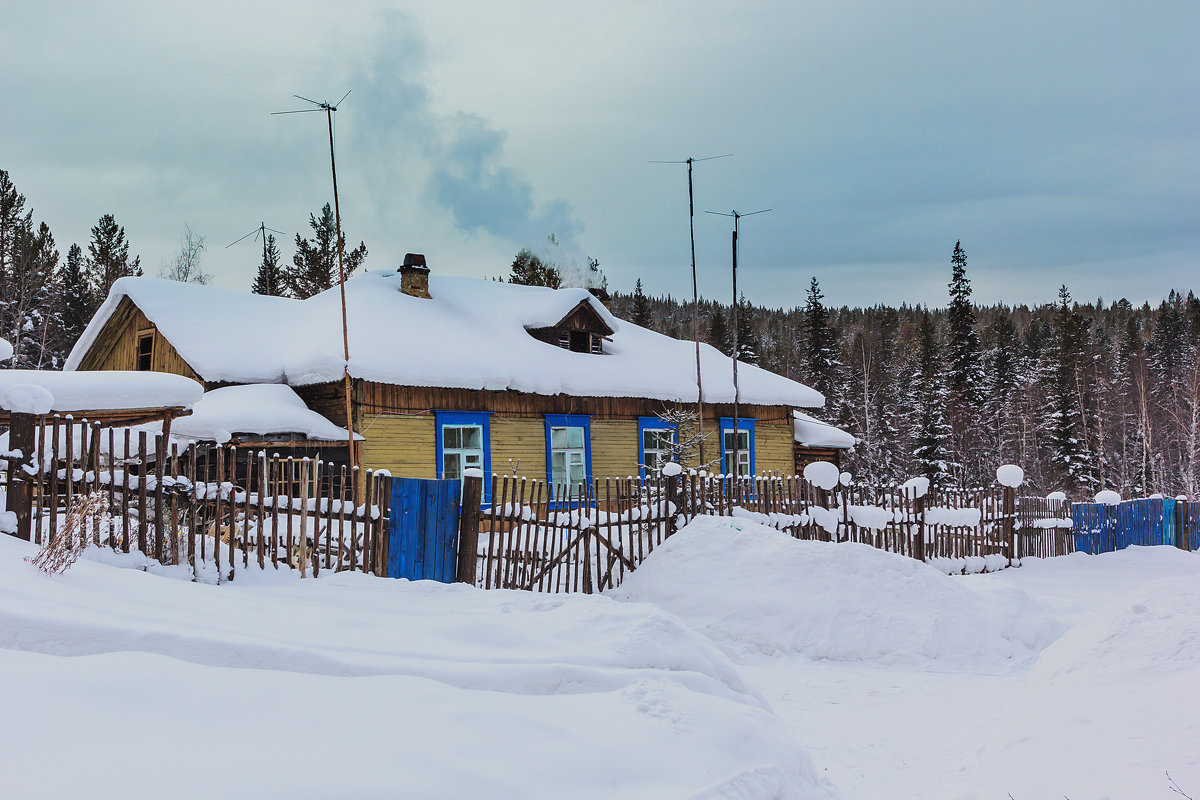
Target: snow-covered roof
(812, 432)
(105, 391)
(472, 334)
(256, 409)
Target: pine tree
(108, 258)
(819, 346)
(31, 321)
(718, 331)
(315, 265)
(930, 430)
(528, 269)
(269, 279)
(641, 306)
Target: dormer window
(583, 330)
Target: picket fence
(212, 507)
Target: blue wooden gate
(423, 535)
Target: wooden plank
(468, 529)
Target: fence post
(1181, 509)
(919, 511)
(1008, 510)
(20, 494)
(672, 500)
(468, 528)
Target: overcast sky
(1060, 141)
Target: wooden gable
(581, 330)
(117, 345)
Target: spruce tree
(930, 430)
(31, 321)
(269, 279)
(76, 297)
(963, 375)
(819, 345)
(718, 331)
(315, 265)
(641, 306)
(1004, 372)
(108, 258)
(748, 345)
(1063, 420)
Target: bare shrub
(59, 552)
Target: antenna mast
(262, 228)
(736, 434)
(329, 108)
(695, 294)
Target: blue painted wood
(423, 537)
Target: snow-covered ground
(733, 655)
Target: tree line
(1084, 396)
(46, 300)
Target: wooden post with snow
(20, 492)
(919, 512)
(1008, 511)
(468, 527)
(1181, 532)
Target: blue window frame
(568, 451)
(745, 446)
(652, 441)
(464, 441)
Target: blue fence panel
(1104, 529)
(1191, 525)
(423, 538)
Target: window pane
(451, 465)
(472, 460)
(574, 437)
(558, 467)
(558, 437)
(450, 437)
(472, 437)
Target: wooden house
(453, 373)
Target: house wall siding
(614, 448)
(403, 445)
(774, 448)
(520, 439)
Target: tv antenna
(695, 291)
(329, 109)
(261, 229)
(737, 216)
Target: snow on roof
(812, 432)
(259, 409)
(472, 334)
(103, 391)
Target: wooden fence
(587, 537)
(212, 507)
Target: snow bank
(1010, 475)
(472, 334)
(440, 691)
(114, 389)
(756, 591)
(1115, 696)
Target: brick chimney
(414, 276)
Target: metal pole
(696, 314)
(337, 216)
(262, 226)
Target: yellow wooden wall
(404, 445)
(773, 447)
(523, 440)
(615, 448)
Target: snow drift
(758, 592)
(398, 689)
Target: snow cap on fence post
(822, 474)
(671, 469)
(1108, 497)
(27, 398)
(845, 479)
(1010, 476)
(1060, 496)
